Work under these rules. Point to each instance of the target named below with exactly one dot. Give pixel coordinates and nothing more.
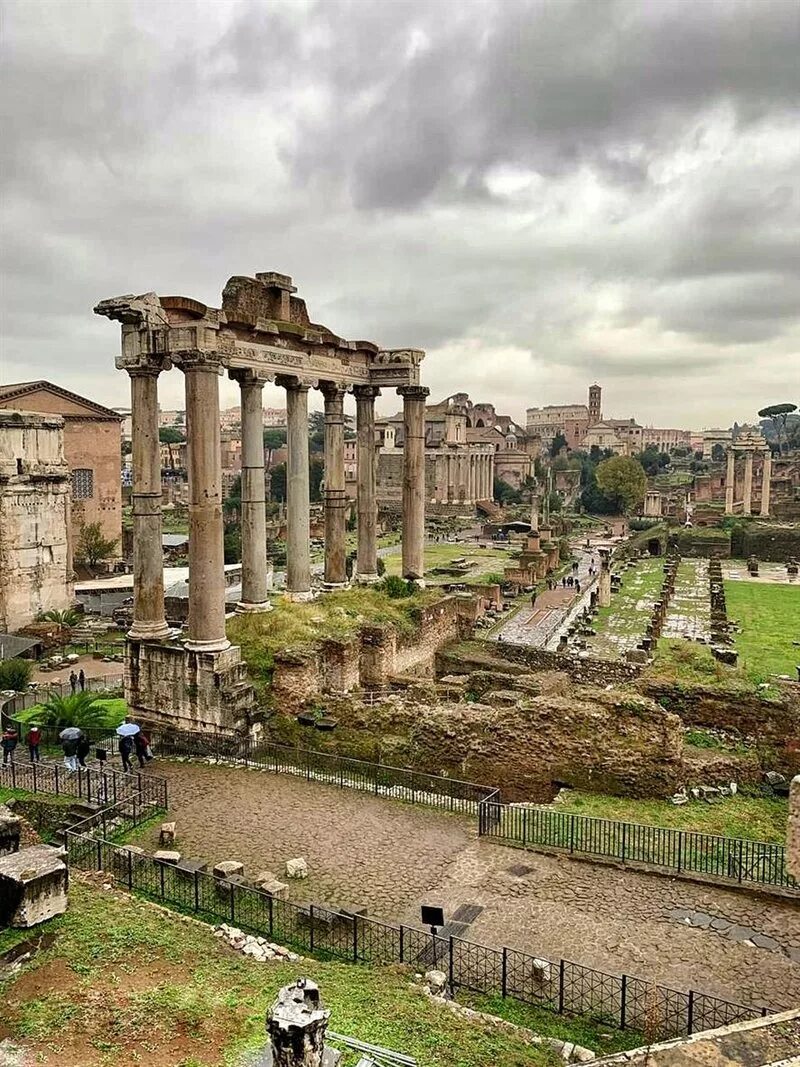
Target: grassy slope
(126, 983)
(769, 616)
(756, 818)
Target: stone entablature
(261, 333)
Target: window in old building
(82, 483)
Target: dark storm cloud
(538, 193)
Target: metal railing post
(504, 973)
(450, 966)
(561, 987)
(355, 939)
(623, 1001)
(690, 1014)
(130, 869)
(311, 927)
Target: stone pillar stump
(335, 498)
(366, 495)
(414, 481)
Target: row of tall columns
(206, 628)
(747, 491)
(471, 471)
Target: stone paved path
(689, 612)
(390, 857)
(538, 626)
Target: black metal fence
(630, 1003)
(396, 783)
(685, 852)
(104, 787)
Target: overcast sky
(540, 194)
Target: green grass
(483, 562)
(127, 979)
(751, 817)
(115, 711)
(629, 612)
(769, 617)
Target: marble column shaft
(366, 490)
(335, 499)
(298, 522)
(149, 622)
(206, 554)
(730, 481)
(766, 483)
(414, 481)
(748, 484)
(255, 582)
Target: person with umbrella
(70, 739)
(141, 742)
(126, 734)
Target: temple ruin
(261, 333)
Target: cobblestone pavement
(689, 612)
(390, 857)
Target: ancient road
(390, 857)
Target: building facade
(35, 550)
(91, 450)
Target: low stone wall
(466, 656)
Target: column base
(219, 645)
(152, 632)
(366, 579)
(244, 607)
(332, 587)
(299, 596)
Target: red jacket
(34, 735)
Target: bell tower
(595, 414)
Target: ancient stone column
(730, 481)
(149, 623)
(366, 496)
(201, 372)
(451, 486)
(335, 500)
(747, 506)
(414, 481)
(298, 524)
(296, 1025)
(255, 583)
(766, 482)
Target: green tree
(92, 547)
(652, 460)
(558, 442)
(277, 490)
(15, 674)
(505, 493)
(79, 709)
(316, 431)
(622, 480)
(778, 413)
(316, 470)
(718, 453)
(171, 435)
(274, 437)
(232, 543)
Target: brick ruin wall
(585, 670)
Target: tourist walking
(10, 738)
(82, 679)
(141, 744)
(533, 599)
(125, 750)
(577, 585)
(73, 682)
(69, 744)
(33, 740)
(84, 745)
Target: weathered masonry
(261, 333)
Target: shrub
(15, 673)
(80, 709)
(396, 587)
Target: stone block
(277, 889)
(188, 868)
(166, 855)
(227, 868)
(10, 825)
(296, 868)
(122, 859)
(33, 886)
(166, 834)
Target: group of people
(76, 747)
(10, 740)
(76, 680)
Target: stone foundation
(200, 691)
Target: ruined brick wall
(296, 678)
(439, 623)
(589, 739)
(774, 543)
(469, 655)
(340, 665)
(94, 444)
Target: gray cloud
(538, 193)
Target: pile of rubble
(258, 948)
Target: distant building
(91, 449)
(35, 549)
(275, 418)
